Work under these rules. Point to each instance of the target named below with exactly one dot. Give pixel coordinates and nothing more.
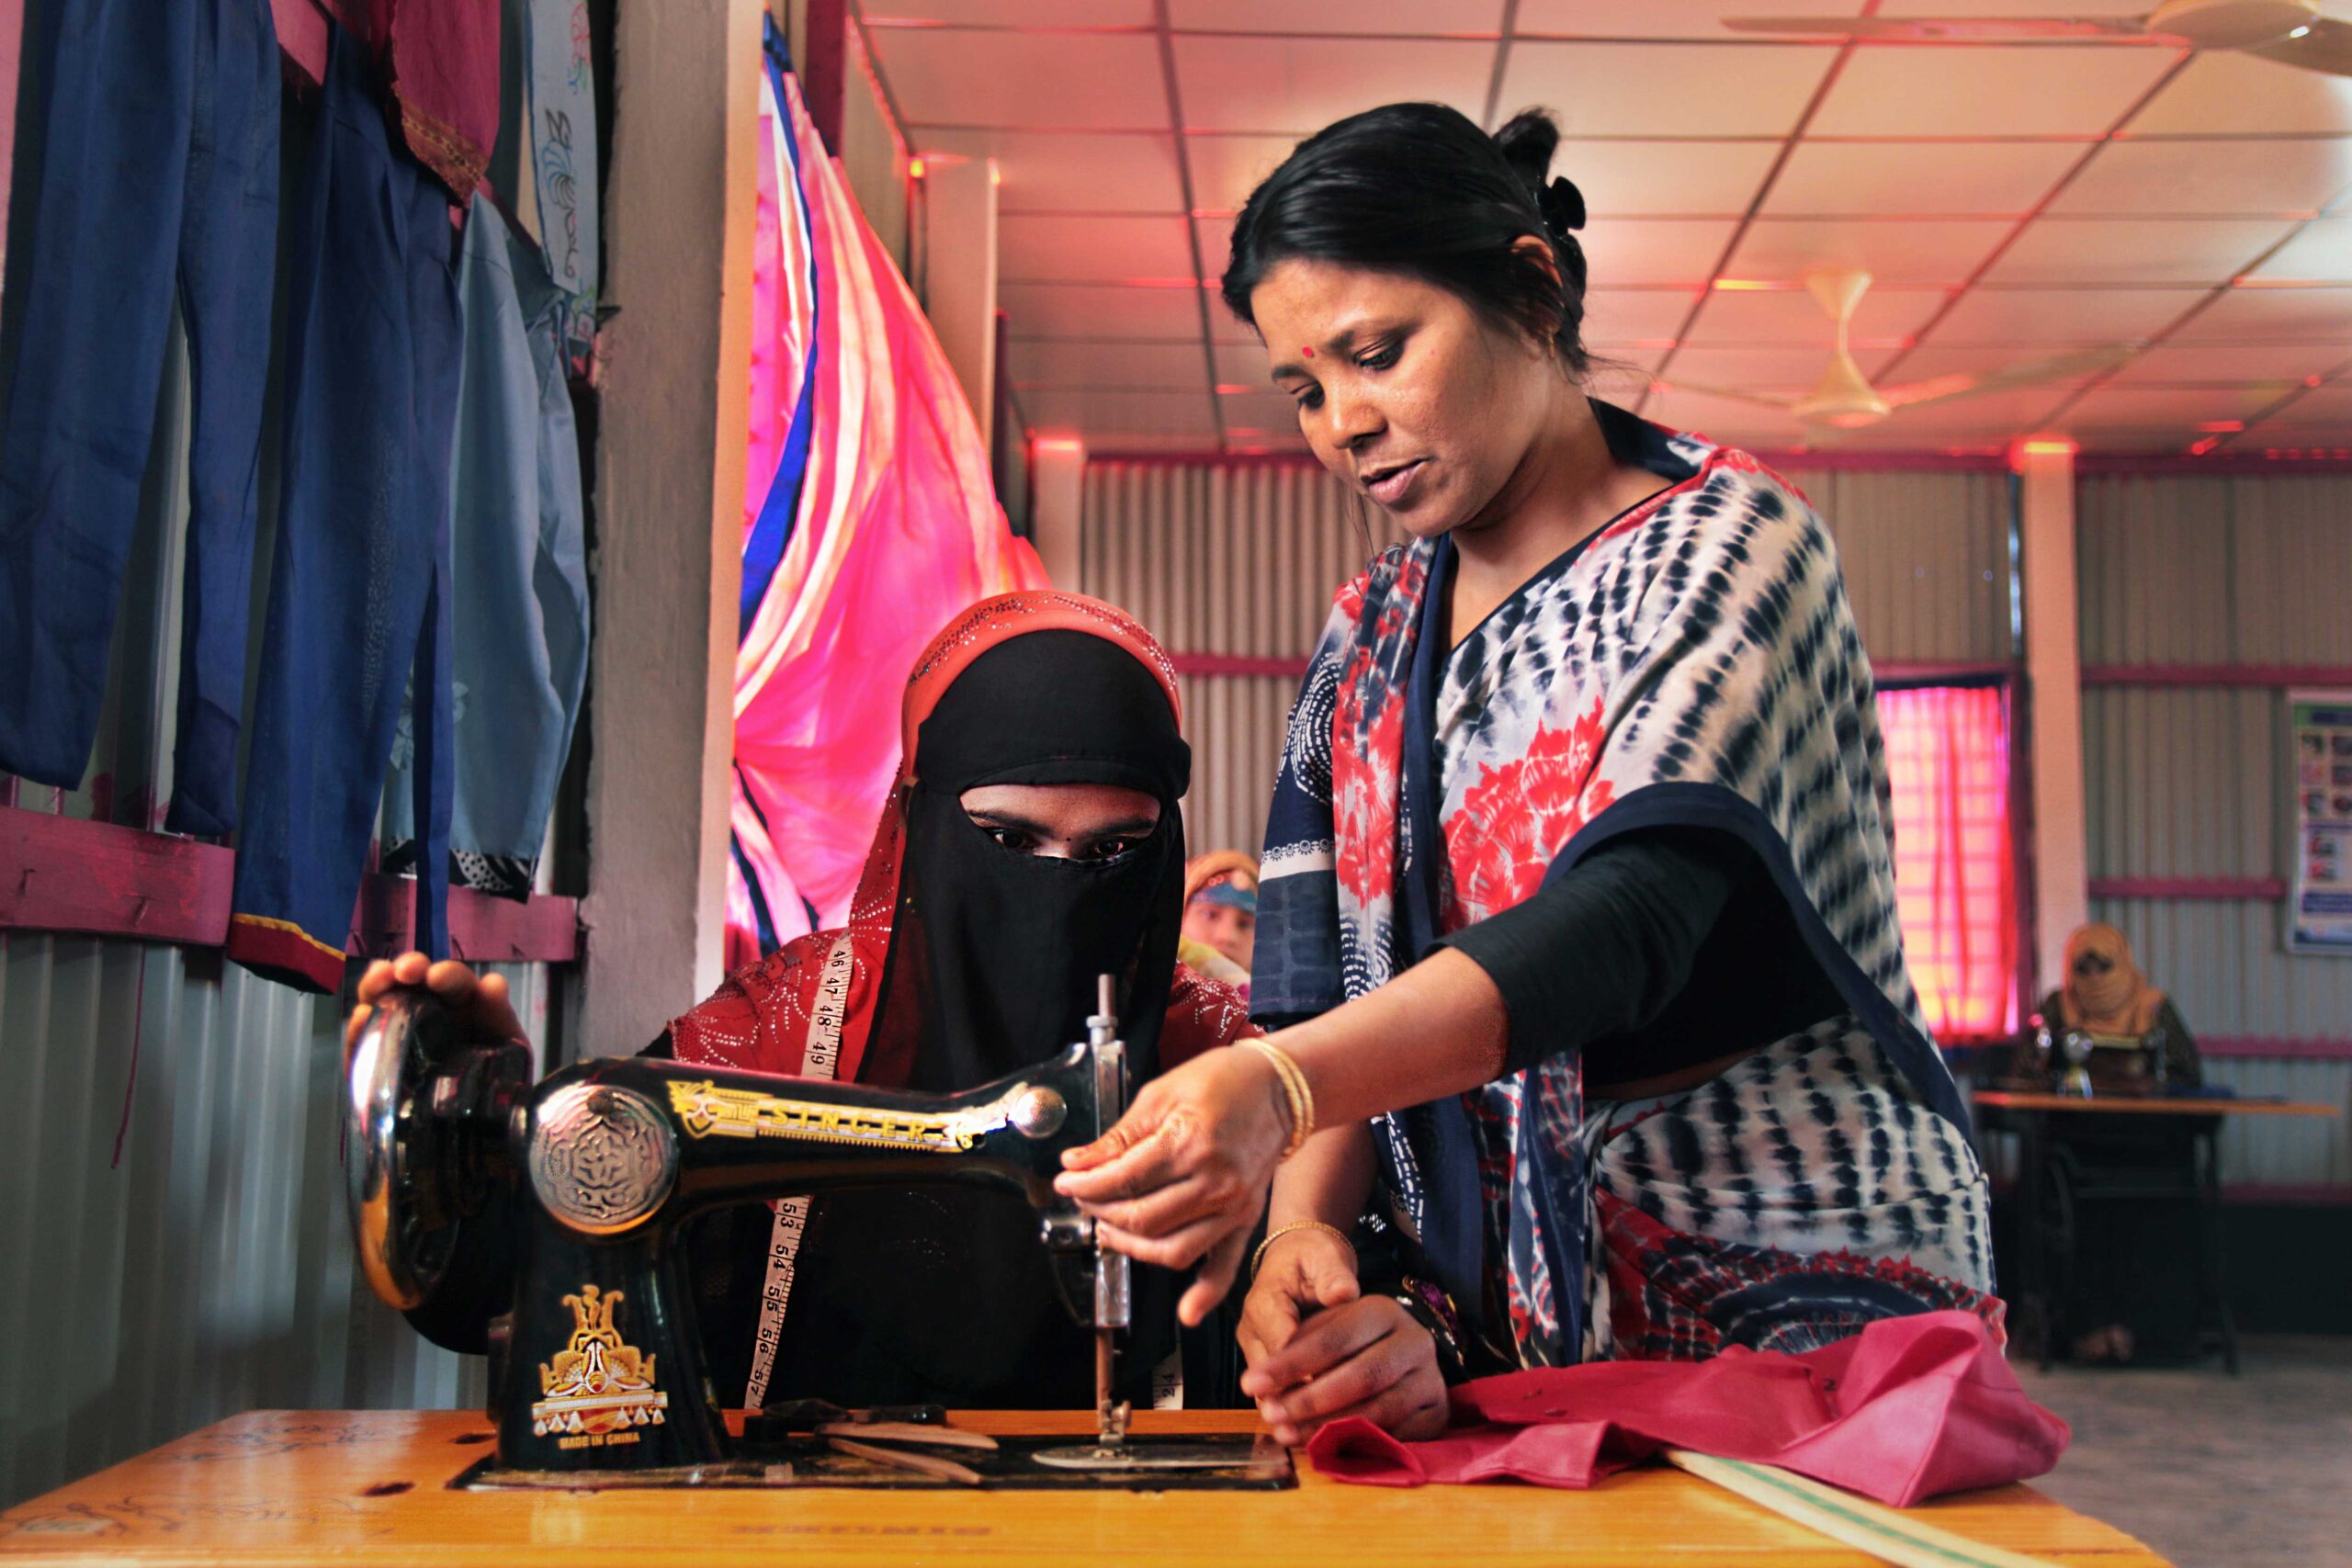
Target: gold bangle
(1275, 1235)
(1296, 1092)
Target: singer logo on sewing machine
(708, 1110)
(598, 1386)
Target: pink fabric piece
(898, 529)
(440, 58)
(1909, 1408)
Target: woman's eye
(1309, 399)
(1013, 838)
(1110, 849)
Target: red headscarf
(761, 1018)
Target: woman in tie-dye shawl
(1577, 903)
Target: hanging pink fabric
(1909, 1408)
(897, 528)
(440, 59)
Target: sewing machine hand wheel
(424, 1131)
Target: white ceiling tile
(1160, 365)
(1217, 247)
(2041, 90)
(1738, 318)
(1903, 368)
(1625, 316)
(1069, 171)
(1226, 169)
(1323, 16)
(1050, 249)
(1699, 19)
(1725, 420)
(1303, 84)
(1255, 409)
(1100, 311)
(2234, 94)
(2234, 176)
(1633, 89)
(954, 77)
(2321, 253)
(1999, 8)
(2128, 407)
(1121, 413)
(2322, 416)
(1784, 368)
(2208, 364)
(1634, 179)
(1835, 179)
(2146, 249)
(2257, 314)
(1992, 418)
(1927, 250)
(1655, 250)
(881, 14)
(2061, 317)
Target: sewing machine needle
(1105, 1432)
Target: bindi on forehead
(1308, 349)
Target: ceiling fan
(1844, 398)
(2291, 32)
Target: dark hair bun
(1528, 141)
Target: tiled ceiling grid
(2014, 201)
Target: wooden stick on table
(906, 1459)
(1884, 1532)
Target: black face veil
(945, 1294)
(1009, 944)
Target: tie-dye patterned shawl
(1700, 666)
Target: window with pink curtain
(1948, 760)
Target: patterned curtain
(1948, 758)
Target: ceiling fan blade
(1928, 28)
(2032, 373)
(1672, 384)
(2324, 45)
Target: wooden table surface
(2012, 1099)
(369, 1488)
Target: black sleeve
(1601, 951)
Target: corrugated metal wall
(1243, 559)
(2186, 782)
(210, 1271)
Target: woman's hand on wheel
(1182, 1177)
(1366, 1357)
(477, 1004)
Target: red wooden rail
(62, 874)
(2241, 888)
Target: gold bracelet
(1275, 1235)
(1296, 1093)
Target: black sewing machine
(596, 1374)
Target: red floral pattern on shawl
(1514, 820)
(759, 1018)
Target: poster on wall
(2319, 911)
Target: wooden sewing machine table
(370, 1488)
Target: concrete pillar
(2055, 699)
(1058, 475)
(960, 277)
(671, 454)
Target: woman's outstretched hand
(1182, 1177)
(477, 1003)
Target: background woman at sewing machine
(1031, 843)
(1576, 919)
